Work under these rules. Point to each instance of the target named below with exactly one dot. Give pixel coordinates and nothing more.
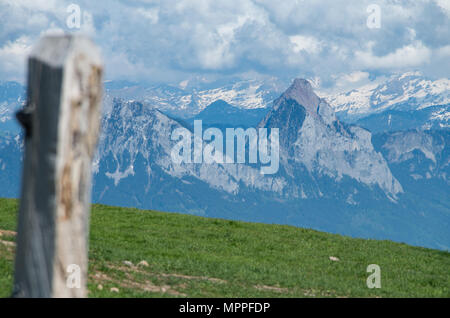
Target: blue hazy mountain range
(394, 119)
(334, 176)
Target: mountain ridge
(333, 176)
(408, 91)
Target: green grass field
(191, 256)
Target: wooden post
(61, 122)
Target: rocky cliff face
(417, 154)
(312, 136)
(131, 132)
(313, 144)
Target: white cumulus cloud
(411, 55)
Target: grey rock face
(400, 146)
(312, 140)
(312, 135)
(419, 155)
(132, 130)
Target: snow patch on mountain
(187, 101)
(408, 91)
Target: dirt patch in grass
(7, 243)
(7, 233)
(132, 282)
(102, 278)
(7, 251)
(211, 279)
(146, 285)
(272, 288)
(174, 275)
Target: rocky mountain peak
(294, 105)
(312, 137)
(302, 92)
(301, 84)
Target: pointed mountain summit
(312, 136)
(302, 92)
(298, 100)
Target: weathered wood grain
(62, 119)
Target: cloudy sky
(333, 42)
